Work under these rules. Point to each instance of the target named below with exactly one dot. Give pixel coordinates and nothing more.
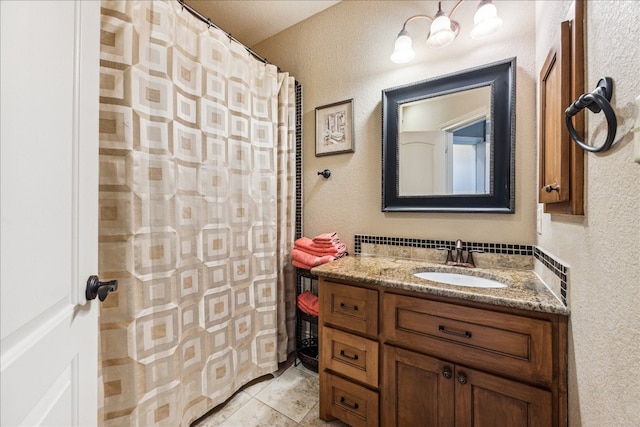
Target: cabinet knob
(446, 372)
(462, 378)
(552, 187)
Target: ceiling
(252, 21)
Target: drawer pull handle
(348, 307)
(446, 373)
(343, 354)
(348, 405)
(444, 330)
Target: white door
(424, 154)
(49, 211)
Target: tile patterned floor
(290, 399)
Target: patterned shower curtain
(197, 215)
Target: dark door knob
(446, 373)
(96, 288)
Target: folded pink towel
(310, 259)
(301, 265)
(308, 303)
(305, 244)
(326, 237)
(335, 249)
(322, 253)
(326, 244)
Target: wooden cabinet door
(417, 390)
(561, 162)
(486, 400)
(555, 142)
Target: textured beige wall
(343, 53)
(602, 248)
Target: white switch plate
(636, 133)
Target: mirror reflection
(444, 144)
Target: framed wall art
(334, 128)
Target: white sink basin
(459, 279)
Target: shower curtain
(197, 211)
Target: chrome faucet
(459, 260)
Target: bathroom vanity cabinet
(393, 357)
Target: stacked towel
(310, 260)
(326, 239)
(308, 253)
(307, 245)
(308, 303)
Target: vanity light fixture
(443, 30)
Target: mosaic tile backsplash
(487, 255)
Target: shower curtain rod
(207, 21)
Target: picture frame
(334, 128)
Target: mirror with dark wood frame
(448, 142)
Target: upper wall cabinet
(561, 167)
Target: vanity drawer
(349, 307)
(349, 402)
(353, 356)
(494, 341)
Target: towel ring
(596, 101)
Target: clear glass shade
(486, 21)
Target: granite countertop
(525, 290)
